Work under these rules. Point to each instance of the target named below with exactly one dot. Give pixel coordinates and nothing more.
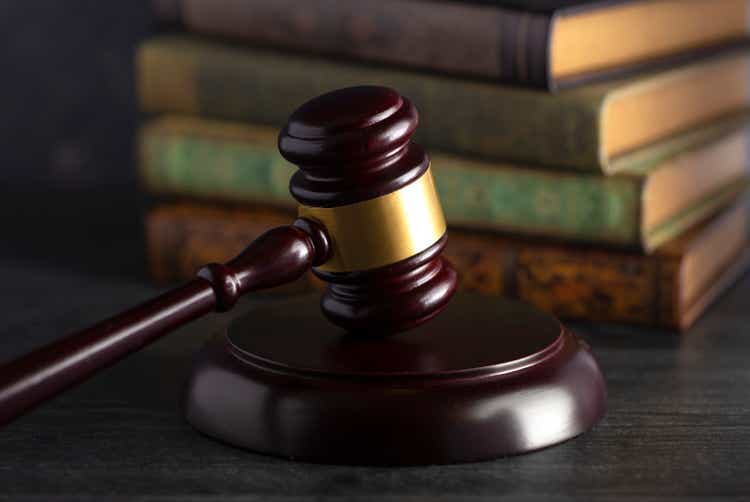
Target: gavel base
(485, 378)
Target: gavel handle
(279, 256)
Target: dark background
(69, 187)
(67, 92)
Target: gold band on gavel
(383, 230)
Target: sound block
(485, 378)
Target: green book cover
(179, 74)
(239, 163)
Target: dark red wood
(387, 300)
(485, 378)
(281, 255)
(351, 145)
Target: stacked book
(591, 157)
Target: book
(640, 207)
(544, 43)
(669, 289)
(593, 127)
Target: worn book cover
(670, 288)
(640, 207)
(594, 127)
(547, 44)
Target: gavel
(370, 225)
(486, 377)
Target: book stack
(591, 156)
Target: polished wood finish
(675, 427)
(485, 378)
(280, 255)
(388, 300)
(53, 368)
(351, 145)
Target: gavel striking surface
(485, 378)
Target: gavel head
(363, 180)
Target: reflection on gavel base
(397, 370)
(465, 378)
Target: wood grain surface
(677, 426)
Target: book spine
(556, 204)
(570, 282)
(181, 75)
(461, 38)
(525, 41)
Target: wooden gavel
(370, 225)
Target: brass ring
(384, 230)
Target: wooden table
(678, 426)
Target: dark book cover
(508, 41)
